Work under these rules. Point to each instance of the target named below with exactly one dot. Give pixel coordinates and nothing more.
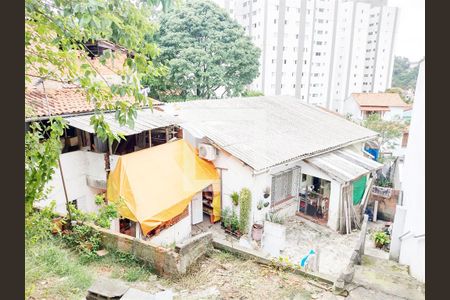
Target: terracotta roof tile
(63, 101)
(379, 99)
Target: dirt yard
(221, 275)
(335, 249)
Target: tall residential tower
(310, 47)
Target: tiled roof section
(64, 101)
(58, 102)
(379, 99)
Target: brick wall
(165, 261)
(386, 206)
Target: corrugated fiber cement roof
(269, 130)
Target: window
(274, 21)
(284, 61)
(281, 187)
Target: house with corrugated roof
(389, 106)
(296, 159)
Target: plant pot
(259, 207)
(266, 204)
(378, 245)
(257, 230)
(266, 196)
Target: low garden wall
(165, 261)
(347, 274)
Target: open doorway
(314, 198)
(127, 227)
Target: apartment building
(310, 47)
(363, 56)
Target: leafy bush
(245, 198)
(384, 182)
(42, 149)
(226, 217)
(38, 225)
(234, 221)
(85, 239)
(250, 93)
(381, 238)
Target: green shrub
(85, 239)
(38, 225)
(245, 198)
(381, 238)
(250, 93)
(226, 216)
(234, 221)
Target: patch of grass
(125, 266)
(223, 256)
(53, 271)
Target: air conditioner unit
(207, 152)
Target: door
(197, 209)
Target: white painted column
(397, 231)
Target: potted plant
(235, 198)
(266, 204)
(266, 192)
(381, 239)
(257, 230)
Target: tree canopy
(206, 53)
(388, 130)
(56, 33)
(404, 76)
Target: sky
(410, 36)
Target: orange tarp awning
(154, 185)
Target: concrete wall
(77, 166)
(412, 250)
(165, 261)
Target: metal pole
(65, 190)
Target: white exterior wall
(393, 114)
(76, 167)
(412, 250)
(175, 233)
(351, 107)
